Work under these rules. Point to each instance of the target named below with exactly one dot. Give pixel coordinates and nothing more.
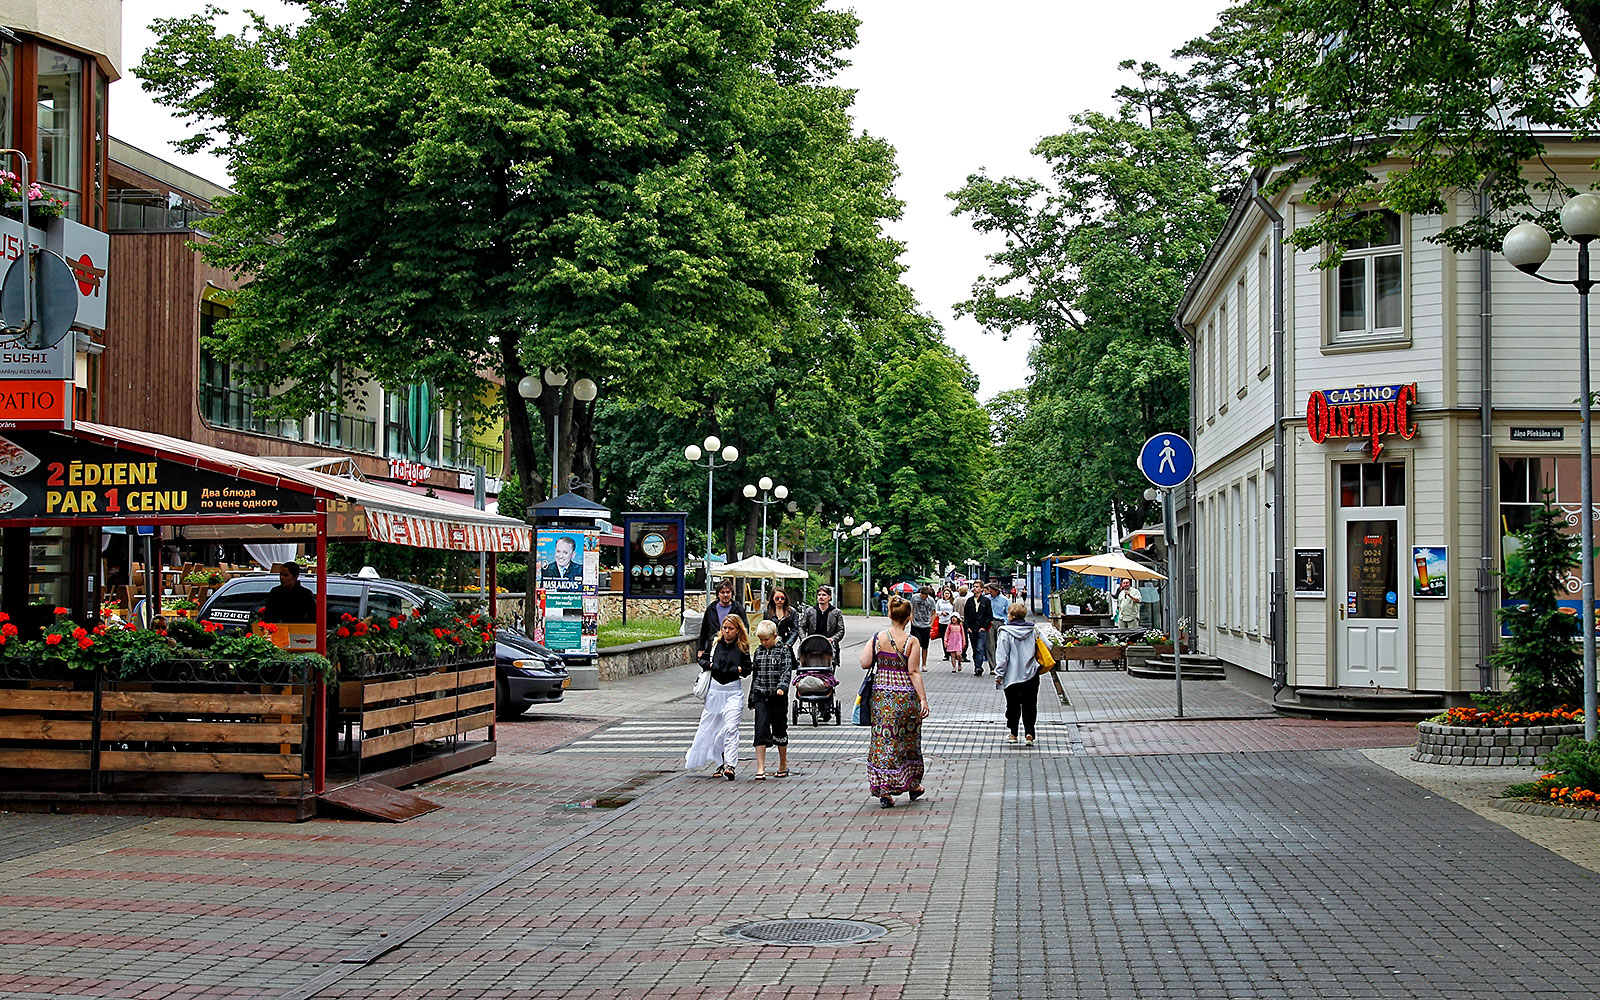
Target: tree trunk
(1586, 17)
(520, 429)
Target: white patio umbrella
(760, 567)
(1112, 564)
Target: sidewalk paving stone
(1131, 854)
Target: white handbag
(702, 685)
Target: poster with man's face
(561, 559)
(569, 573)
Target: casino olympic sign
(1369, 411)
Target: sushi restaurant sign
(1373, 412)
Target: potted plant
(42, 205)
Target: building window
(1236, 557)
(1244, 342)
(1253, 576)
(1523, 486)
(8, 85)
(1222, 359)
(60, 147)
(1202, 554)
(338, 429)
(1370, 285)
(1372, 484)
(228, 395)
(1212, 392)
(1264, 311)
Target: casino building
(1427, 399)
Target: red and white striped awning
(357, 509)
(432, 533)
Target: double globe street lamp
(730, 454)
(584, 390)
(867, 532)
(769, 495)
(840, 529)
(1527, 247)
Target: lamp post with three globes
(729, 454)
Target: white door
(1372, 607)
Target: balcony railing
(234, 406)
(465, 455)
(341, 430)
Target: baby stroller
(814, 683)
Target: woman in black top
(780, 614)
(717, 739)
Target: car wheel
(502, 704)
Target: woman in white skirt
(717, 739)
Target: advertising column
(569, 589)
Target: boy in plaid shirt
(772, 664)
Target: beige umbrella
(1112, 564)
(759, 567)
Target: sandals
(728, 774)
(1030, 741)
(1012, 738)
(760, 776)
(721, 770)
(917, 793)
(885, 802)
(781, 774)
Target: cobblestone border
(1474, 745)
(1545, 809)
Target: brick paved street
(1230, 854)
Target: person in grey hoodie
(1016, 668)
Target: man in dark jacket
(825, 620)
(711, 624)
(976, 617)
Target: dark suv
(528, 674)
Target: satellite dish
(55, 299)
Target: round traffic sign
(1167, 460)
(55, 298)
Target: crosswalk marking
(967, 736)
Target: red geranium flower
(3, 638)
(347, 617)
(63, 611)
(211, 626)
(342, 632)
(53, 639)
(438, 633)
(416, 612)
(99, 630)
(8, 629)
(394, 623)
(85, 642)
(487, 637)
(268, 628)
(79, 632)
(4, 617)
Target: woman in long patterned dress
(899, 704)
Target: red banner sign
(1372, 419)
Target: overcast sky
(955, 85)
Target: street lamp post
(1527, 247)
(840, 529)
(867, 532)
(584, 390)
(769, 495)
(730, 454)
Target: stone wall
(644, 657)
(1522, 746)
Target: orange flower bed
(1578, 798)
(1494, 718)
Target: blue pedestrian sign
(1167, 460)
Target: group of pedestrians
(993, 626)
(725, 652)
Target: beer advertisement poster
(1430, 571)
(1309, 566)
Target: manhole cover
(807, 932)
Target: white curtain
(267, 556)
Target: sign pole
(1168, 523)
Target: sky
(956, 86)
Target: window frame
(1335, 340)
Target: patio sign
(51, 475)
(1368, 411)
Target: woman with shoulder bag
(899, 704)
(1016, 668)
(717, 738)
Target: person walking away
(977, 617)
(772, 667)
(899, 704)
(883, 600)
(944, 611)
(923, 607)
(999, 607)
(711, 624)
(825, 620)
(717, 738)
(1016, 669)
(785, 618)
(1128, 603)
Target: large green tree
(644, 192)
(1094, 262)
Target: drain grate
(806, 932)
